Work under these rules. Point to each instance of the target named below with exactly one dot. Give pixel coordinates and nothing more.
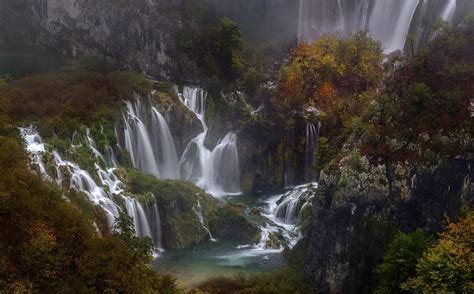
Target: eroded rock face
(134, 36)
(349, 235)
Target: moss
(91, 211)
(85, 158)
(177, 201)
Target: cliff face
(137, 36)
(348, 236)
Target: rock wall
(348, 235)
(137, 36)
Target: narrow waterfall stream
(448, 11)
(200, 215)
(312, 140)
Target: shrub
(447, 266)
(399, 263)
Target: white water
(390, 22)
(215, 171)
(137, 139)
(387, 20)
(200, 216)
(312, 138)
(448, 11)
(284, 210)
(100, 193)
(164, 147)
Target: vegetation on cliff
(49, 245)
(180, 203)
(404, 160)
(65, 102)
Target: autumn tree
(337, 77)
(448, 266)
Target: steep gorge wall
(350, 230)
(137, 36)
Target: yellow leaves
(449, 264)
(43, 238)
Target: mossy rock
(178, 204)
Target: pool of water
(214, 259)
(225, 258)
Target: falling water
(102, 194)
(285, 208)
(149, 141)
(164, 149)
(215, 171)
(387, 20)
(448, 11)
(137, 140)
(390, 22)
(312, 138)
(198, 211)
(155, 225)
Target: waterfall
(164, 149)
(387, 20)
(390, 22)
(149, 141)
(103, 193)
(215, 171)
(198, 211)
(135, 210)
(284, 209)
(448, 11)
(155, 225)
(137, 141)
(312, 138)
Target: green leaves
(399, 262)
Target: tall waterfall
(312, 138)
(448, 11)
(149, 141)
(390, 22)
(103, 193)
(387, 20)
(215, 171)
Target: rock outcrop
(348, 235)
(137, 36)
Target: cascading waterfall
(285, 209)
(150, 144)
(137, 140)
(149, 141)
(215, 171)
(390, 22)
(387, 20)
(448, 11)
(101, 194)
(312, 138)
(165, 150)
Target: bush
(399, 263)
(282, 281)
(63, 102)
(47, 245)
(447, 266)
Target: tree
(447, 266)
(399, 263)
